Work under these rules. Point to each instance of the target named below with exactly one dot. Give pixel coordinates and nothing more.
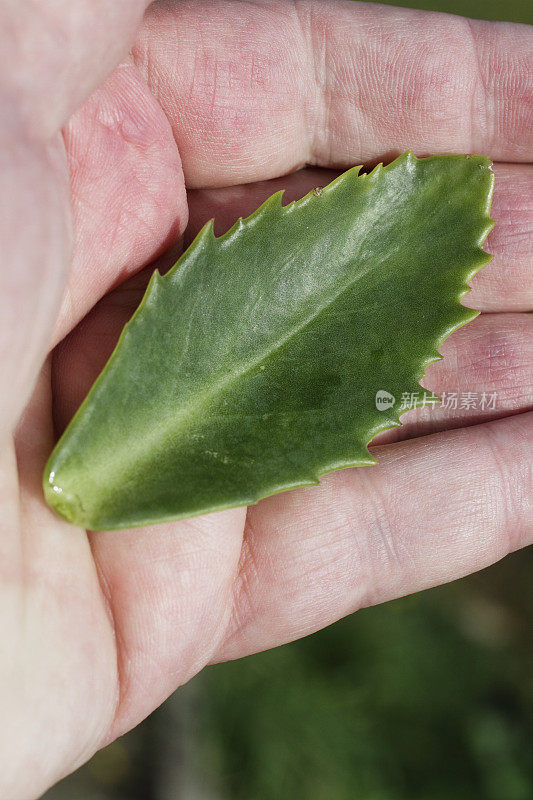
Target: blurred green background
(513, 11)
(425, 698)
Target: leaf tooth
(235, 230)
(340, 180)
(274, 203)
(270, 208)
(206, 234)
(408, 159)
(376, 172)
(431, 358)
(204, 238)
(209, 230)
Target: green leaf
(252, 367)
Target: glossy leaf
(253, 366)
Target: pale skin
(107, 117)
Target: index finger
(254, 90)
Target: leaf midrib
(203, 400)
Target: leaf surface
(253, 366)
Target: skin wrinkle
(511, 76)
(119, 644)
(324, 145)
(509, 512)
(496, 357)
(503, 348)
(315, 114)
(383, 523)
(477, 102)
(512, 237)
(175, 579)
(355, 524)
(384, 555)
(241, 600)
(310, 566)
(489, 502)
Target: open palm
(97, 629)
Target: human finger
(434, 509)
(346, 83)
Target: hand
(97, 629)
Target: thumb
(52, 55)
